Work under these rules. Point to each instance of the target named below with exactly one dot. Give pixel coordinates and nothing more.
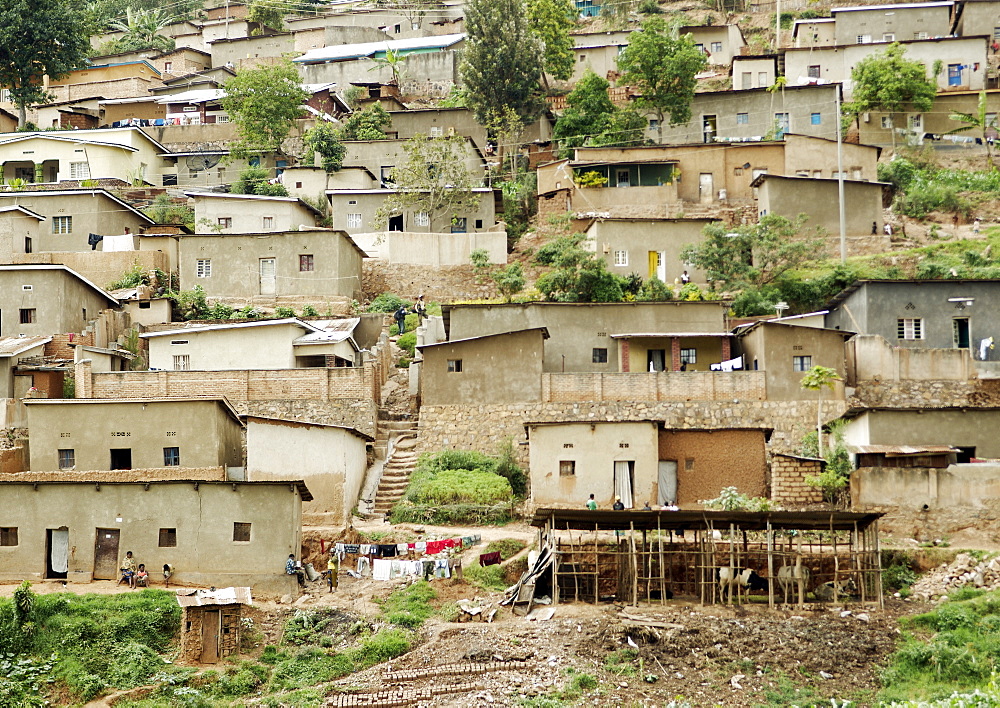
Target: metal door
(267, 276)
(706, 188)
(211, 623)
(954, 74)
(106, 554)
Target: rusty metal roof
(901, 450)
(584, 519)
(220, 596)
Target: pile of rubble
(964, 570)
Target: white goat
(794, 577)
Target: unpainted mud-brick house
(210, 623)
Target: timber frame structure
(628, 556)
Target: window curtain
(623, 482)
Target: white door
(267, 273)
(666, 487)
(705, 187)
(661, 266)
(59, 550)
(622, 178)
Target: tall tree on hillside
(591, 118)
(662, 66)
(269, 13)
(551, 21)
(888, 82)
(140, 31)
(816, 379)
(38, 38)
(263, 103)
(502, 61)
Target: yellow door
(652, 264)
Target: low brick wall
(213, 474)
(788, 481)
(671, 386)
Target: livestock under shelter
(705, 556)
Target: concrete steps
(396, 474)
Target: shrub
(655, 290)
(220, 311)
(131, 278)
(309, 311)
(408, 342)
(410, 606)
(453, 486)
(284, 312)
(386, 302)
(490, 577)
(508, 547)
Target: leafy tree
(140, 31)
(38, 38)
(578, 275)
(269, 13)
(509, 280)
(980, 121)
(591, 118)
(100, 15)
(324, 139)
(433, 179)
(393, 60)
(256, 180)
(502, 61)
(662, 66)
(887, 82)
(264, 103)
(754, 254)
(369, 124)
(551, 21)
(816, 379)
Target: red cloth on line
(490, 558)
(451, 542)
(434, 547)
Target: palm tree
(816, 379)
(981, 122)
(140, 30)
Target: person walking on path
(400, 317)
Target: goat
(830, 590)
(746, 579)
(792, 577)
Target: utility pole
(840, 181)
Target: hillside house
(719, 42)
(19, 229)
(972, 431)
(250, 213)
(865, 24)
(353, 211)
(288, 343)
(814, 32)
(111, 80)
(48, 299)
(212, 533)
(754, 71)
(381, 156)
(650, 247)
(14, 383)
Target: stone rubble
(936, 585)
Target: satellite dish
(196, 163)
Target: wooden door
(106, 554)
(267, 276)
(210, 625)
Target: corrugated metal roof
(367, 49)
(584, 519)
(900, 450)
(12, 346)
(220, 596)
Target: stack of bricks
(455, 670)
(400, 696)
(788, 480)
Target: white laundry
(123, 242)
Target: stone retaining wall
(911, 393)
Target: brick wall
(788, 485)
(216, 474)
(674, 386)
(59, 346)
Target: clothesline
(392, 550)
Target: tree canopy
(140, 31)
(264, 103)
(369, 124)
(502, 61)
(753, 255)
(577, 275)
(982, 121)
(591, 118)
(662, 66)
(551, 21)
(38, 38)
(433, 179)
(326, 140)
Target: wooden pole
(659, 538)
(770, 566)
(597, 572)
(634, 564)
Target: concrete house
(72, 215)
(354, 212)
(331, 459)
(112, 80)
(465, 371)
(930, 128)
(814, 32)
(48, 299)
(19, 228)
(583, 335)
(650, 247)
(974, 17)
(785, 352)
(640, 462)
(288, 343)
(250, 213)
(719, 42)
(15, 383)
(213, 533)
(971, 430)
(754, 71)
(163, 438)
(309, 266)
(381, 156)
(865, 24)
(963, 59)
(923, 314)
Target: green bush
(408, 342)
(386, 302)
(133, 277)
(490, 577)
(922, 198)
(655, 290)
(508, 547)
(309, 311)
(407, 512)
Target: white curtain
(59, 550)
(623, 482)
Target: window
(305, 263)
(168, 538)
(802, 363)
(479, 223)
(8, 536)
(910, 328)
(225, 222)
(888, 36)
(354, 221)
(747, 80)
(567, 468)
(716, 46)
(864, 39)
(782, 123)
(886, 122)
(241, 532)
(422, 218)
(171, 457)
(600, 355)
(121, 458)
(168, 66)
(203, 268)
(67, 459)
(621, 258)
(458, 225)
(79, 170)
(27, 315)
(268, 222)
(762, 79)
(917, 121)
(814, 71)
(62, 224)
(742, 119)
(689, 356)
(182, 362)
(815, 119)
(436, 131)
(454, 366)
(654, 123)
(923, 35)
(801, 173)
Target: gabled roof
(344, 52)
(198, 329)
(67, 192)
(331, 332)
(543, 330)
(194, 96)
(56, 266)
(219, 400)
(265, 420)
(902, 6)
(26, 212)
(12, 346)
(86, 136)
(63, 138)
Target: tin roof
(220, 596)
(584, 519)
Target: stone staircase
(402, 432)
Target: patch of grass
(410, 606)
(490, 577)
(786, 692)
(623, 662)
(508, 547)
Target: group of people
(619, 505)
(294, 567)
(419, 309)
(136, 575)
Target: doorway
(211, 627)
(658, 265)
(396, 223)
(622, 178)
(710, 127)
(624, 481)
(666, 487)
(56, 553)
(121, 458)
(268, 268)
(706, 187)
(656, 359)
(106, 554)
(960, 330)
